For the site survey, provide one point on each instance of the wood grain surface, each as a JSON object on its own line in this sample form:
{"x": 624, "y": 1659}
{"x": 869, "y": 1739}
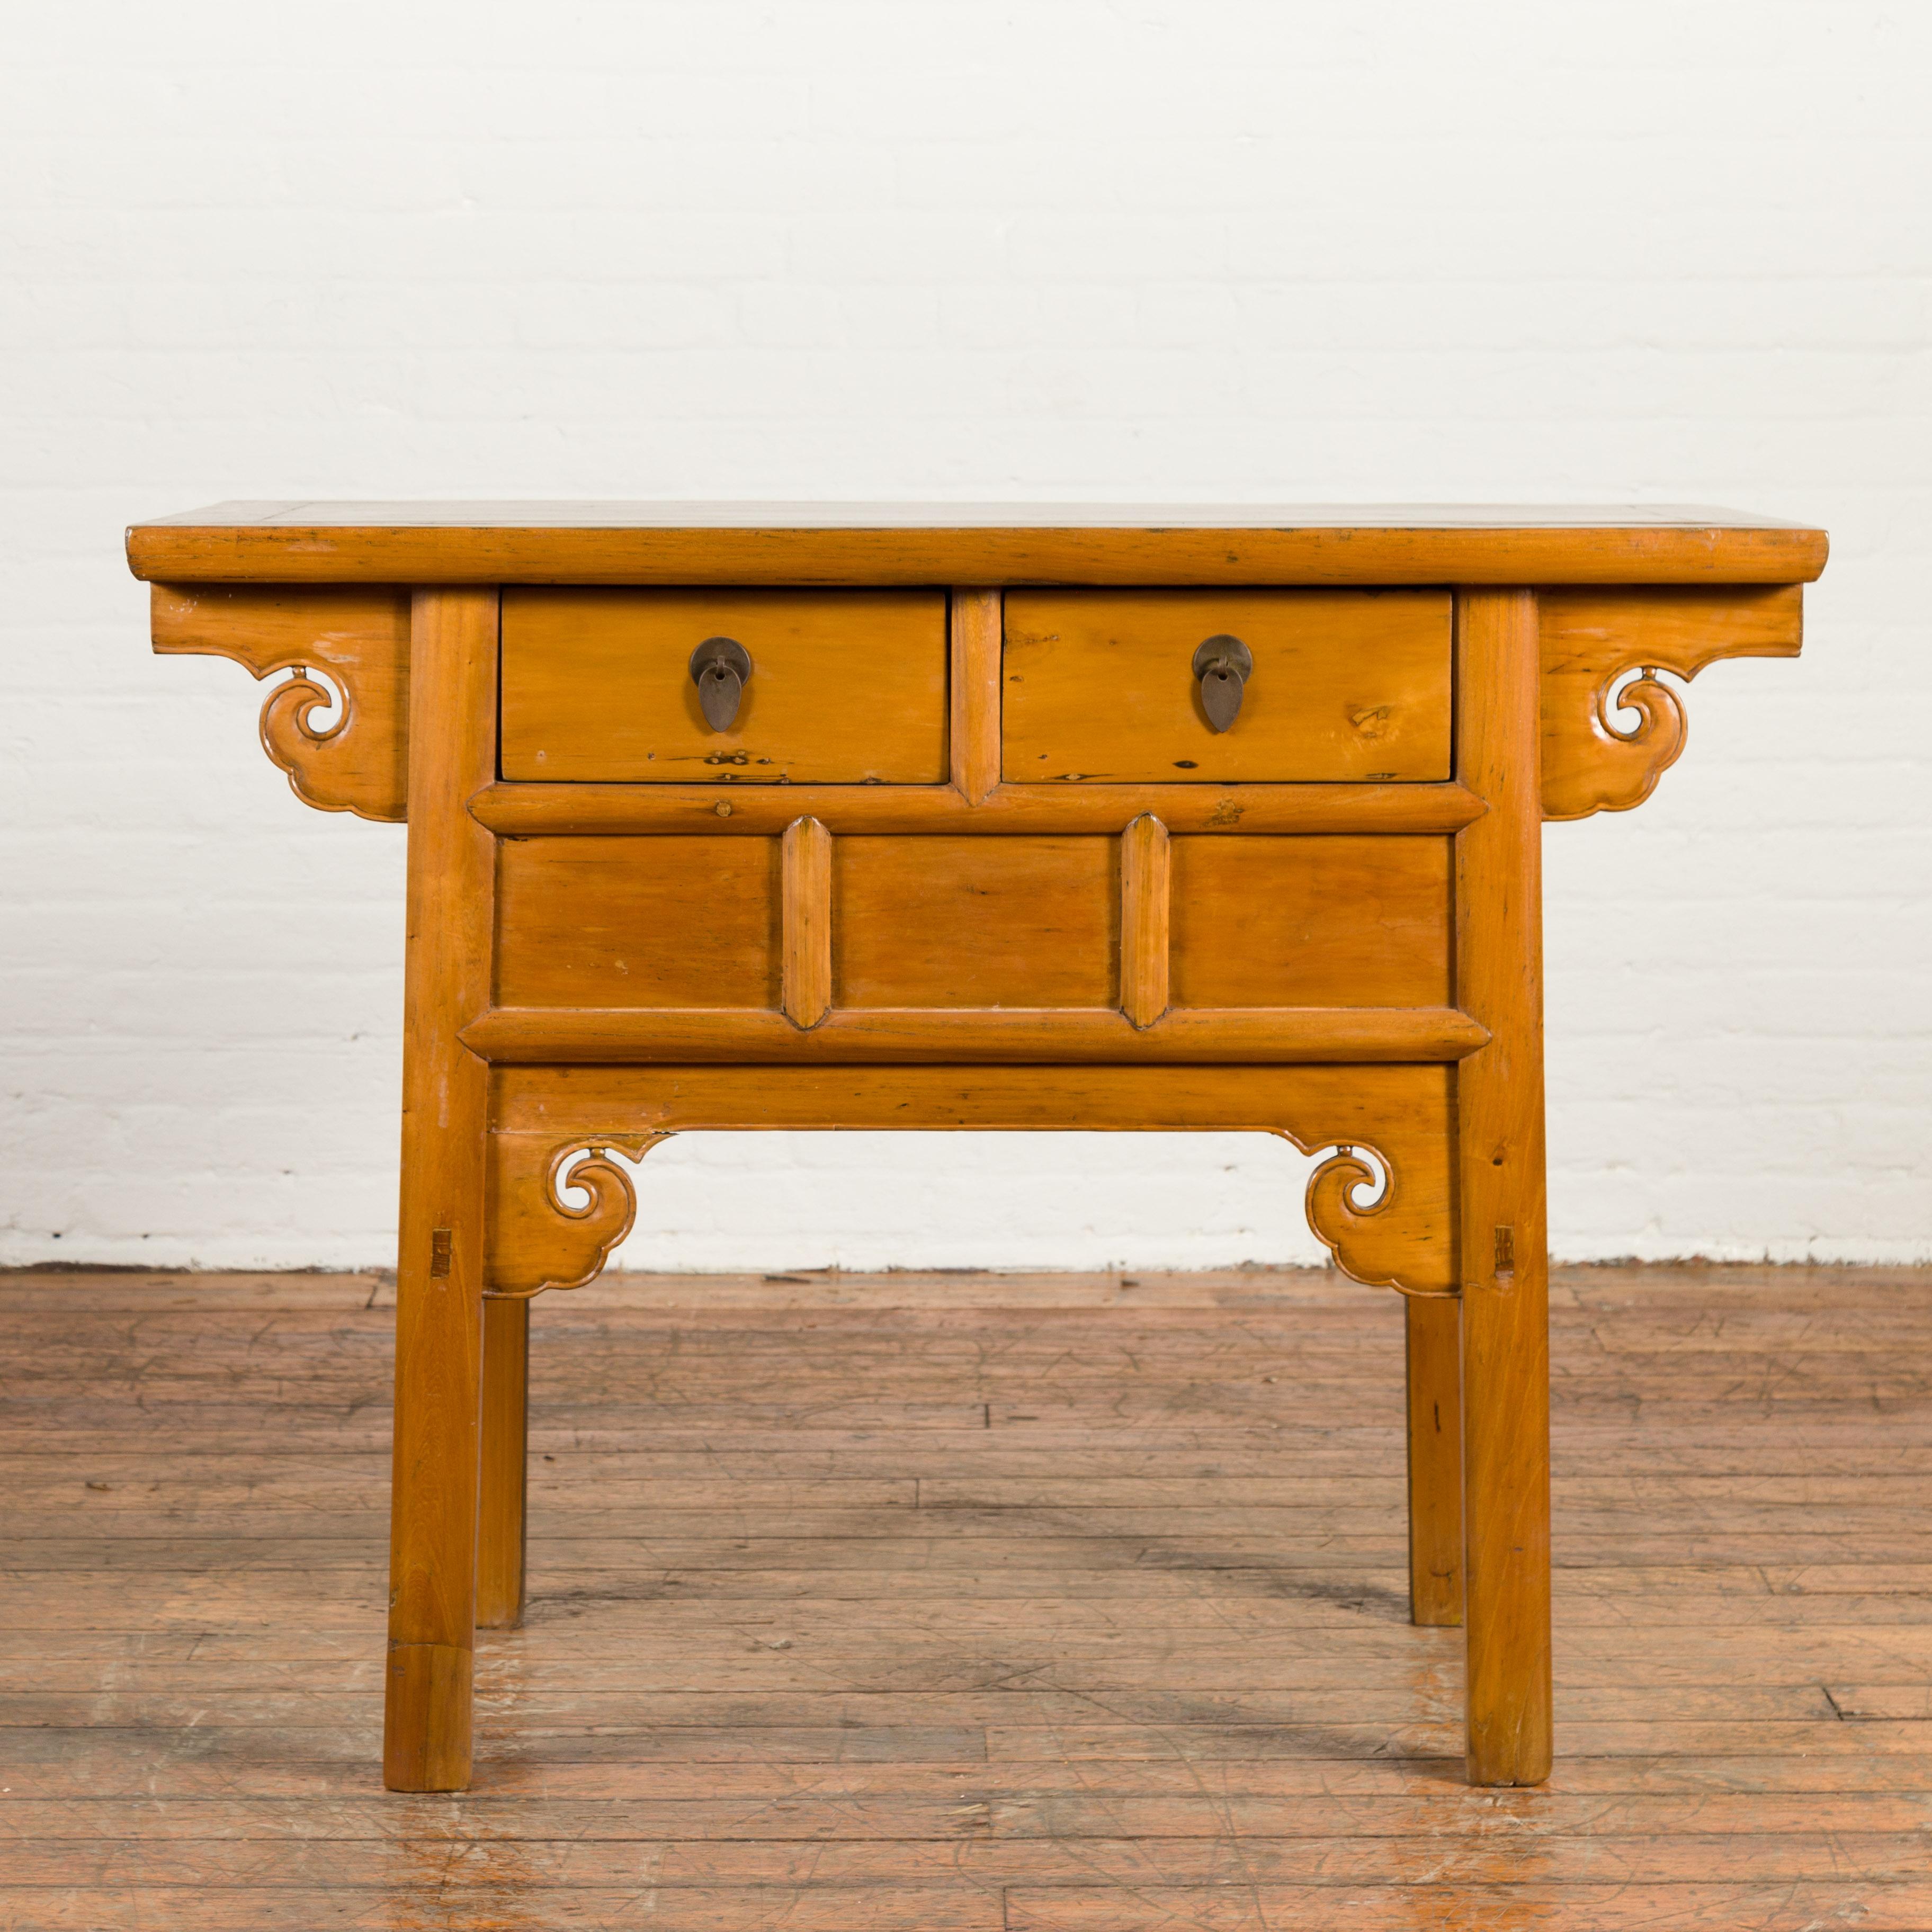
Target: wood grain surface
{"x": 344, "y": 749}
{"x": 972, "y": 730}
{"x": 806, "y": 975}
{"x": 503, "y": 1464}
{"x": 1605, "y": 744}
{"x": 879, "y": 1036}
{"x": 1146, "y": 922}
{"x": 1346, "y": 922}
{"x": 961, "y": 543}
{"x": 441, "y": 1243}
{"x": 846, "y": 687}
{"x": 639, "y": 922}
{"x": 951, "y": 921}
{"x": 525, "y": 811}
{"x": 1098, "y": 686}
{"x": 701, "y": 939}
{"x": 1398, "y": 1235}
{"x": 1433, "y": 1355}
{"x": 1500, "y": 1195}
{"x": 973, "y": 1601}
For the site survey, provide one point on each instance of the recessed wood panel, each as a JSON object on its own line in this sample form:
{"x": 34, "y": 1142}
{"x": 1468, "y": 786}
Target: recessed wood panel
{"x": 974, "y": 922}
{"x": 847, "y": 687}
{"x": 1098, "y": 686}
{"x": 637, "y": 922}
{"x": 1315, "y": 922}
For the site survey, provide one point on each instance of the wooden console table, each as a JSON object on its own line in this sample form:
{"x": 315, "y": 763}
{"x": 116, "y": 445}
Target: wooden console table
{"x": 946, "y": 818}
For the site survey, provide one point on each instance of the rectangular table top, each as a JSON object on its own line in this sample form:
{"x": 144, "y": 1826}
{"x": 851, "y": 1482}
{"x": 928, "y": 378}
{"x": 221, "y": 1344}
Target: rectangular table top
{"x": 643, "y": 542}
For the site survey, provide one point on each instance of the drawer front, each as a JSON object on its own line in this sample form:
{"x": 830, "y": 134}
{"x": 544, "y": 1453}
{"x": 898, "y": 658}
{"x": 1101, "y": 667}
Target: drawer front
{"x": 975, "y": 921}
{"x": 1098, "y": 686}
{"x": 637, "y": 922}
{"x": 846, "y": 687}
{"x": 932, "y": 923}
{"x": 1333, "y": 921}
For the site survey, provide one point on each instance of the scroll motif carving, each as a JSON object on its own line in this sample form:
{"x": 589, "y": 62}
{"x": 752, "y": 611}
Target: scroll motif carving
{"x": 1399, "y": 1238}
{"x": 1388, "y": 1126}
{"x": 357, "y": 638}
{"x": 1396, "y": 1237}
{"x": 1592, "y": 639}
{"x": 538, "y": 1239}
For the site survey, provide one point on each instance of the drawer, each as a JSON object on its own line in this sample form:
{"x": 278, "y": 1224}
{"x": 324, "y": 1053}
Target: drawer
{"x": 925, "y": 923}
{"x": 846, "y": 687}
{"x": 1331, "y": 920}
{"x": 1099, "y": 686}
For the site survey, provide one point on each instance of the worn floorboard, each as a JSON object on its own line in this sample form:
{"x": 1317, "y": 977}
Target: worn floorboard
{"x": 1004, "y": 1604}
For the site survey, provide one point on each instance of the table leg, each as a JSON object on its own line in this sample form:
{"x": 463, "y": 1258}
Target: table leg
{"x": 426, "y": 1716}
{"x": 439, "y": 1264}
{"x": 505, "y": 1463}
{"x": 1500, "y": 1196}
{"x": 1506, "y": 1450}
{"x": 1435, "y": 1460}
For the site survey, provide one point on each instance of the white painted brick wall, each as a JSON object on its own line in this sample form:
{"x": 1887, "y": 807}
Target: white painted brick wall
{"x": 1671, "y": 250}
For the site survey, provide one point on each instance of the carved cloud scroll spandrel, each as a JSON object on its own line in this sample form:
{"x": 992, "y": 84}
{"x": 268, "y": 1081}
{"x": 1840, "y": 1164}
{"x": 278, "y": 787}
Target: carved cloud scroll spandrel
{"x": 1399, "y": 1239}
{"x": 537, "y": 1239}
{"x": 1593, "y": 637}
{"x": 1387, "y": 1126}
{"x": 357, "y": 636}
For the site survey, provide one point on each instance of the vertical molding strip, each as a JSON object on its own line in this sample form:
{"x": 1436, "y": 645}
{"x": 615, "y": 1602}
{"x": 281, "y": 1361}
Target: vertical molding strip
{"x": 977, "y": 616}
{"x": 1144, "y": 920}
{"x": 806, "y": 969}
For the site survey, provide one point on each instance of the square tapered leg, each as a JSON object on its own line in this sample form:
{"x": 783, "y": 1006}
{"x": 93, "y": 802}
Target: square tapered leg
{"x": 505, "y": 1464}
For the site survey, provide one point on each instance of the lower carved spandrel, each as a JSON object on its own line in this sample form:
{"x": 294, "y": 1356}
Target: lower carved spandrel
{"x": 539, "y": 1239}
{"x": 1382, "y": 1203}
{"x": 1356, "y": 1186}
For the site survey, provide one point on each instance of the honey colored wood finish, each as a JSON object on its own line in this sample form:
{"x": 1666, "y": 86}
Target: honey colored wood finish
{"x": 807, "y": 921}
{"x": 503, "y": 1474}
{"x": 1433, "y": 1390}
{"x": 994, "y": 545}
{"x": 1591, "y": 640}
{"x": 1380, "y": 1201}
{"x": 356, "y": 760}
{"x": 1099, "y": 686}
{"x": 646, "y": 922}
{"x": 909, "y": 1601}
{"x": 1146, "y": 920}
{"x": 1315, "y": 922}
{"x": 846, "y": 687}
{"x": 968, "y": 855}
{"x": 974, "y": 719}
{"x": 557, "y": 1209}
{"x": 1032, "y": 936}
{"x": 945, "y": 921}
{"x": 882, "y": 1036}
{"x": 1500, "y": 1199}
{"x": 440, "y": 1258}
{"x": 527, "y": 811}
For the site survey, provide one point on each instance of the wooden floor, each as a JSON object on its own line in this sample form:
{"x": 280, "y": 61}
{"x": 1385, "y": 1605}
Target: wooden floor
{"x": 974, "y": 1601}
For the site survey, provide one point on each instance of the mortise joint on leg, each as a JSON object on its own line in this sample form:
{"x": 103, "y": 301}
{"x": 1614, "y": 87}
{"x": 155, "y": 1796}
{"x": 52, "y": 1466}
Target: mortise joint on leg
{"x": 1505, "y": 1258}
{"x": 441, "y": 1245}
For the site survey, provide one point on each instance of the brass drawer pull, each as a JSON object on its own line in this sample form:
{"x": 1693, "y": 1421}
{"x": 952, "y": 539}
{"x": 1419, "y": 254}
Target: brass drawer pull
{"x": 719, "y": 668}
{"x": 1223, "y": 664}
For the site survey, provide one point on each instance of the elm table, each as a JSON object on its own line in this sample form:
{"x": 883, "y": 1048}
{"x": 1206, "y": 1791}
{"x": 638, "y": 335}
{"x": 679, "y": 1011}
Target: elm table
{"x": 757, "y": 817}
